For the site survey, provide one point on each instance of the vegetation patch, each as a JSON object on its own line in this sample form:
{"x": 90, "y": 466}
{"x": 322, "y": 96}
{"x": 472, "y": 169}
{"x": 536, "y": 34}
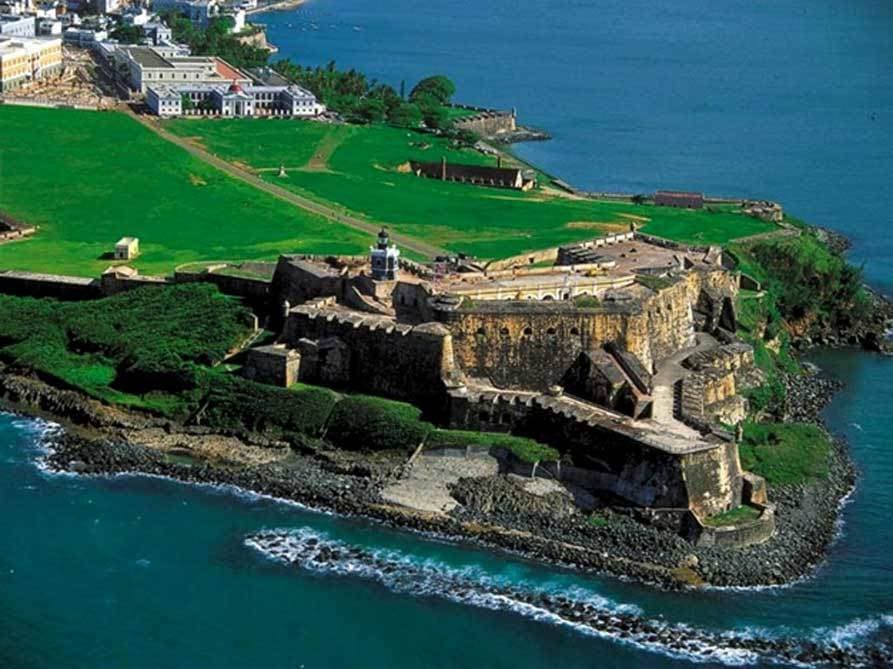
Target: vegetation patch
{"x": 366, "y": 423}
{"x": 655, "y": 283}
{"x": 737, "y": 516}
{"x": 238, "y": 404}
{"x": 526, "y": 450}
{"x": 805, "y": 287}
{"x": 140, "y": 348}
{"x": 587, "y": 301}
{"x": 596, "y": 520}
{"x": 785, "y": 453}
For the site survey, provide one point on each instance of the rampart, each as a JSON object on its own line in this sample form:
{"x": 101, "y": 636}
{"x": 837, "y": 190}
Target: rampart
{"x": 529, "y": 344}
{"x": 371, "y": 354}
{"x": 488, "y": 122}
{"x": 30, "y": 284}
{"x": 610, "y": 454}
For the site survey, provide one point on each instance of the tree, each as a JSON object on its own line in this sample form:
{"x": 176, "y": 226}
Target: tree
{"x": 407, "y": 115}
{"x": 434, "y": 114}
{"x": 370, "y": 110}
{"x": 127, "y": 34}
{"x": 186, "y": 102}
{"x": 438, "y": 87}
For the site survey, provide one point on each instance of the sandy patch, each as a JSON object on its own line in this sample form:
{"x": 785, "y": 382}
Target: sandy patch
{"x": 425, "y": 488}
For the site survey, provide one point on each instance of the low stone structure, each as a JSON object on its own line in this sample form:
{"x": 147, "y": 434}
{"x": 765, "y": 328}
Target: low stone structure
{"x": 683, "y": 199}
{"x": 764, "y": 210}
{"x": 488, "y": 122}
{"x": 275, "y": 365}
{"x": 11, "y": 229}
{"x": 127, "y": 248}
{"x": 478, "y": 175}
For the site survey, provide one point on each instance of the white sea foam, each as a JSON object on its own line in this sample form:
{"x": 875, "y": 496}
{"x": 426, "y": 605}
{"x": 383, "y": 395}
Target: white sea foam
{"x": 577, "y": 607}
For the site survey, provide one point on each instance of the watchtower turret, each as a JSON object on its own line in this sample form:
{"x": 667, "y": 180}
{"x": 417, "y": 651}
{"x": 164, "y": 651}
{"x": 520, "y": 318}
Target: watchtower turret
{"x": 384, "y": 258}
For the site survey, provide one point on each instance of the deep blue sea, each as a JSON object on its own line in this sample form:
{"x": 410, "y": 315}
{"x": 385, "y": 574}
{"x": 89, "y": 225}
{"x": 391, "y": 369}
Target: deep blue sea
{"x": 786, "y": 100}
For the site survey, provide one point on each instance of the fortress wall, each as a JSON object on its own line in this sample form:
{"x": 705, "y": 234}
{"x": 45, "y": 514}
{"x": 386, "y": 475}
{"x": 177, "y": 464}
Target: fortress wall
{"x": 377, "y": 357}
{"x": 257, "y": 290}
{"x": 719, "y": 281}
{"x": 533, "y": 345}
{"x": 669, "y": 323}
{"x": 528, "y": 350}
{"x": 411, "y": 301}
{"x": 713, "y": 479}
{"x": 297, "y": 282}
{"x": 611, "y": 461}
{"x": 488, "y": 123}
{"x": 605, "y": 458}
{"x": 29, "y": 284}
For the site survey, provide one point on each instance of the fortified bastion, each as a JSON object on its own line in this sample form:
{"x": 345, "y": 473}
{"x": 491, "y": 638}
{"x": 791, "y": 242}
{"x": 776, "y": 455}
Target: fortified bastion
{"x": 623, "y": 356}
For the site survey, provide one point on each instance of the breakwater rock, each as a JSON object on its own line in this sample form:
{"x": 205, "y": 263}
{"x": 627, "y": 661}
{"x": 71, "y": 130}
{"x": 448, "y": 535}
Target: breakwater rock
{"x": 313, "y": 551}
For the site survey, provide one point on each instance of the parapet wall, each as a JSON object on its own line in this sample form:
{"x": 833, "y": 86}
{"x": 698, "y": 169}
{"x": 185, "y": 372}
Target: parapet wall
{"x": 611, "y": 456}
{"x": 375, "y": 355}
{"x": 488, "y": 123}
{"x": 30, "y": 284}
{"x": 532, "y": 344}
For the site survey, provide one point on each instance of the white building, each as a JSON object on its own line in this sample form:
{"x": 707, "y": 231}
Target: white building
{"x": 384, "y": 258}
{"x": 158, "y": 66}
{"x": 234, "y": 100}
{"x": 14, "y": 25}
{"x": 127, "y": 248}
{"x": 49, "y": 27}
{"x": 84, "y": 36}
{"x": 135, "y": 16}
{"x": 200, "y": 12}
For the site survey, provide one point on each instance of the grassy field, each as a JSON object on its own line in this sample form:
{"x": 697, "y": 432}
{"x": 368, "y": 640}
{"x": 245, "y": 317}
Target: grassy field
{"x": 89, "y": 178}
{"x": 360, "y": 168}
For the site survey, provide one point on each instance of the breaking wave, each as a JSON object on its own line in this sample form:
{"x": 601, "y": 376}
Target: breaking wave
{"x": 577, "y": 608}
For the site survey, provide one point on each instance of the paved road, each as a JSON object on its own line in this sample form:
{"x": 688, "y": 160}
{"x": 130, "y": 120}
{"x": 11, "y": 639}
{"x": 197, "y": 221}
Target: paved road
{"x": 427, "y": 250}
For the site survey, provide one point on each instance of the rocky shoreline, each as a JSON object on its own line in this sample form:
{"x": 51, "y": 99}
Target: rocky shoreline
{"x": 495, "y": 513}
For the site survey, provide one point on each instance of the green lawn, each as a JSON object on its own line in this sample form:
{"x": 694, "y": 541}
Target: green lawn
{"x": 359, "y": 169}
{"x": 89, "y": 178}
{"x": 785, "y": 453}
{"x": 736, "y": 516}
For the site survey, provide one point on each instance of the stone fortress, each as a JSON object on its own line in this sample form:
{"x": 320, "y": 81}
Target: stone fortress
{"x": 622, "y": 354}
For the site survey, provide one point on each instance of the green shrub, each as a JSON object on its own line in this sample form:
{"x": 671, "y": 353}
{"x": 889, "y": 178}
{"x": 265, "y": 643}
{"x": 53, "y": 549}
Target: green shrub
{"x": 238, "y": 404}
{"x": 785, "y": 453}
{"x": 524, "y": 449}
{"x": 586, "y": 301}
{"x": 124, "y": 347}
{"x": 655, "y": 283}
{"x": 736, "y": 516}
{"x": 367, "y": 423}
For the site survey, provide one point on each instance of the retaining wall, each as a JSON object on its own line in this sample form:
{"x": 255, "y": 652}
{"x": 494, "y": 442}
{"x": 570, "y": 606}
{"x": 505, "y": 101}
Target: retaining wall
{"x": 30, "y": 284}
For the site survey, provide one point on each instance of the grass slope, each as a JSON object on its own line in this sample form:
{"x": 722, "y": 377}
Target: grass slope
{"x": 357, "y": 168}
{"x": 89, "y": 178}
{"x": 785, "y": 453}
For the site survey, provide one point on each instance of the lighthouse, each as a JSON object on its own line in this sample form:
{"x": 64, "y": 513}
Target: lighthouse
{"x": 384, "y": 258}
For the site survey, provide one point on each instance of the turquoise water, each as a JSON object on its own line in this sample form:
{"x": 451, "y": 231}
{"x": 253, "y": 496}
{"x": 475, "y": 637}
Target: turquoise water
{"x": 790, "y": 100}
{"x": 144, "y": 572}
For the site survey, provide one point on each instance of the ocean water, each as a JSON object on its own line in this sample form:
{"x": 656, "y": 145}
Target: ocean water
{"x": 790, "y": 100}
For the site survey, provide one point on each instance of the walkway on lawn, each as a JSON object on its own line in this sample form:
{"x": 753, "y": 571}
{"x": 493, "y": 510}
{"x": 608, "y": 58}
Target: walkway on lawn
{"x": 409, "y": 243}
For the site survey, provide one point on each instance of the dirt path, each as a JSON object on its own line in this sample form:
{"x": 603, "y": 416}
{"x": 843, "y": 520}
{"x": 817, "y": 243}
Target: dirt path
{"x": 423, "y": 248}
{"x": 319, "y": 161}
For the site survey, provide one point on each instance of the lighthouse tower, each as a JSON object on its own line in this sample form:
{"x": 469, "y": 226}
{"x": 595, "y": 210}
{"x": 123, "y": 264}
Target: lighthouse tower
{"x": 384, "y": 258}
